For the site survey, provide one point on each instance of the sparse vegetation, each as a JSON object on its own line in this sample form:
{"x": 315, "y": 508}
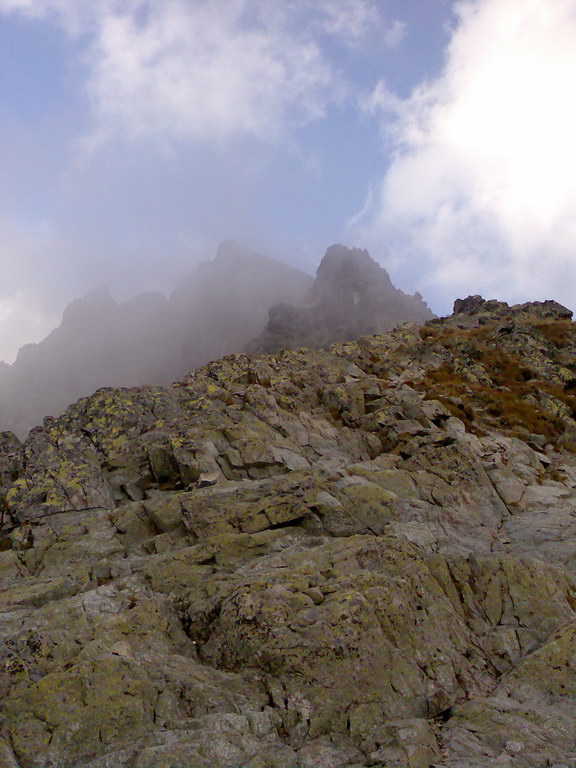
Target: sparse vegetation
{"x": 512, "y": 402}
{"x": 560, "y": 333}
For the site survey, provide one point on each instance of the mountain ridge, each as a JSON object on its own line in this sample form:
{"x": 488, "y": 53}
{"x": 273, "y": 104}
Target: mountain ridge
{"x": 152, "y": 339}
{"x": 360, "y": 556}
{"x": 147, "y": 339}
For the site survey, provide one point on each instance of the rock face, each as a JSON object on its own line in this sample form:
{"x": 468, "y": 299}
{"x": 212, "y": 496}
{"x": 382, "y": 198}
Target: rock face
{"x": 319, "y": 559}
{"x": 149, "y": 339}
{"x": 352, "y": 296}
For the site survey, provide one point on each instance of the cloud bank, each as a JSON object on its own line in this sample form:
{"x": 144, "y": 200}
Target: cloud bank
{"x": 207, "y": 70}
{"x": 480, "y": 194}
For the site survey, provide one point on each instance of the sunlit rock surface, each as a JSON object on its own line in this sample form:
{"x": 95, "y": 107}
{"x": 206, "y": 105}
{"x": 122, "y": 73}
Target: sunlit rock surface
{"x": 319, "y": 559}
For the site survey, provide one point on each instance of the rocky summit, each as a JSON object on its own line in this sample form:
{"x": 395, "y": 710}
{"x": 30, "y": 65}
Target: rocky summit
{"x": 362, "y": 556}
{"x": 351, "y": 296}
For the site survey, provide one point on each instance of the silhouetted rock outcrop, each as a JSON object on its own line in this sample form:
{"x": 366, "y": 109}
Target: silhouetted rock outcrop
{"x": 351, "y": 296}
{"x": 476, "y": 305}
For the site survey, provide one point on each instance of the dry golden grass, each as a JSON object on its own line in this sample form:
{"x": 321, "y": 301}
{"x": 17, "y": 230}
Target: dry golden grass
{"x": 560, "y": 333}
{"x": 511, "y": 403}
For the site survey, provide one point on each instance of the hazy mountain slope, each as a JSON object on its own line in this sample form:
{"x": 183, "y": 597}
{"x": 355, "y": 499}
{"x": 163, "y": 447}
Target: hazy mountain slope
{"x": 222, "y": 305}
{"x": 149, "y": 339}
{"x": 225, "y": 302}
{"x": 361, "y": 557}
{"x": 351, "y": 296}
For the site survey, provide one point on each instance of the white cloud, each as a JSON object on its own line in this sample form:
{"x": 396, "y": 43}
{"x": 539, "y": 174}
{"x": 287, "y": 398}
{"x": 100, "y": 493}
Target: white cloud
{"x": 482, "y": 185}
{"x": 199, "y": 71}
{"x": 204, "y": 69}
{"x": 348, "y": 20}
{"x": 395, "y": 33}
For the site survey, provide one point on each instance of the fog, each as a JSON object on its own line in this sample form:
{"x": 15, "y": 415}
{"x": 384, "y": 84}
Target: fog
{"x": 149, "y": 339}
{"x": 239, "y": 302}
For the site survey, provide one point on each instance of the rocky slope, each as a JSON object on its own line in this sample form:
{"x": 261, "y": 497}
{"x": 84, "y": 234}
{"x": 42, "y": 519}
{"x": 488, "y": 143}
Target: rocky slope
{"x": 148, "y": 340}
{"x": 356, "y": 557}
{"x": 351, "y": 296}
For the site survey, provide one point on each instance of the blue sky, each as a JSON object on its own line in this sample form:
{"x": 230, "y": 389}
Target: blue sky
{"x": 136, "y": 134}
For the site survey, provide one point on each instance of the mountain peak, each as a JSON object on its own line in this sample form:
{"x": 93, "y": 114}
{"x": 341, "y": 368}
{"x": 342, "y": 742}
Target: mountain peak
{"x": 347, "y": 274}
{"x": 97, "y": 300}
{"x": 231, "y": 249}
{"x": 231, "y": 252}
{"x": 351, "y": 296}
{"x": 339, "y": 256}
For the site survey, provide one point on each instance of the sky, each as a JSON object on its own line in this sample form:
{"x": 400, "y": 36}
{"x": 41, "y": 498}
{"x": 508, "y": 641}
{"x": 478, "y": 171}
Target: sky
{"x": 137, "y": 134}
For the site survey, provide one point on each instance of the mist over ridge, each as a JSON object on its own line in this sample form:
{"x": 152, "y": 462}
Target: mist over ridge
{"x": 224, "y": 306}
